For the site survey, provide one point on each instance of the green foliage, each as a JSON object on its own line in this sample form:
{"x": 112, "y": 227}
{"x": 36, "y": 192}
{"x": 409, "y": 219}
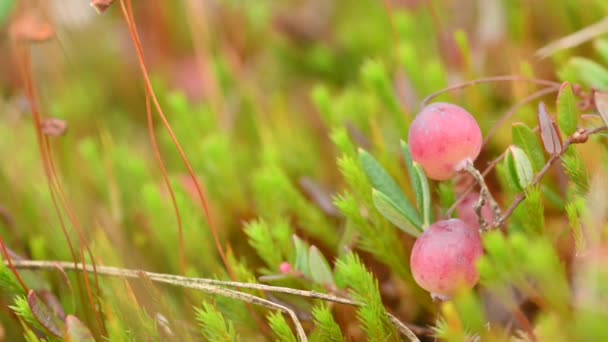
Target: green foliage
{"x": 214, "y": 326}
{"x": 384, "y": 183}
{"x": 520, "y": 167}
{"x": 320, "y": 271}
{"x": 377, "y": 237}
{"x": 446, "y": 194}
{"x": 528, "y": 263}
{"x": 391, "y": 212}
{"x": 363, "y": 287}
{"x": 574, "y": 211}
{"x": 267, "y": 98}
{"x": 22, "y": 308}
{"x": 273, "y": 245}
{"x": 375, "y": 76}
{"x": 526, "y": 139}
{"x": 8, "y": 281}
{"x": 326, "y": 327}
{"x": 567, "y": 114}
{"x": 534, "y": 210}
{"x": 420, "y": 184}
{"x": 276, "y": 197}
{"x": 589, "y": 72}
{"x": 577, "y": 172}
{"x": 280, "y": 328}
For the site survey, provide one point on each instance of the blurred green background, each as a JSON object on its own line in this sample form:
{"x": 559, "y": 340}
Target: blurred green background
{"x": 263, "y": 96}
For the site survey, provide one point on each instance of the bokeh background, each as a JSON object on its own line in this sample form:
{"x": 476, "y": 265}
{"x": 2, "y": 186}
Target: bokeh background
{"x": 261, "y": 95}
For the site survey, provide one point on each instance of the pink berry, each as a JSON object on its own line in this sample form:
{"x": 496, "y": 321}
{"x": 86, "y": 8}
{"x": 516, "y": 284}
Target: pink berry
{"x": 443, "y": 258}
{"x": 442, "y": 137}
{"x": 285, "y": 268}
{"x": 466, "y": 210}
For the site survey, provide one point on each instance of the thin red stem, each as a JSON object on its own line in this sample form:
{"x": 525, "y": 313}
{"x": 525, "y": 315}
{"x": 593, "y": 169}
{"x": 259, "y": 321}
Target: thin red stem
{"x": 129, "y": 19}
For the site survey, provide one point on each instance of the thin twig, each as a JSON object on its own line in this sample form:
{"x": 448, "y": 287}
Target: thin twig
{"x": 484, "y": 195}
{"x": 192, "y": 283}
{"x": 464, "y": 194}
{"x": 520, "y": 198}
{"x": 504, "y": 78}
{"x": 213, "y": 286}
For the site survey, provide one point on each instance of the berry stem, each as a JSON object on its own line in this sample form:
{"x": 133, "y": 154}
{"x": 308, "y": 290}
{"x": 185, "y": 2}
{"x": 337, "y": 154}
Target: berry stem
{"x": 504, "y": 78}
{"x": 484, "y": 196}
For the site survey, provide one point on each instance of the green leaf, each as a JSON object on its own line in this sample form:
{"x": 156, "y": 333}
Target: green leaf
{"x": 320, "y": 271}
{"x": 511, "y": 175}
{"x": 391, "y": 212}
{"x": 302, "y": 263}
{"x": 601, "y": 46}
{"x": 567, "y": 113}
{"x": 426, "y": 210}
{"x": 601, "y": 103}
{"x": 414, "y": 180}
{"x": 521, "y": 167}
{"x": 382, "y": 181}
{"x": 76, "y": 331}
{"x": 590, "y": 72}
{"x": 525, "y": 138}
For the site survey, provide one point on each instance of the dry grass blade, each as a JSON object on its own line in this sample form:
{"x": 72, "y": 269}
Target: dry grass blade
{"x": 217, "y": 287}
{"x": 574, "y": 39}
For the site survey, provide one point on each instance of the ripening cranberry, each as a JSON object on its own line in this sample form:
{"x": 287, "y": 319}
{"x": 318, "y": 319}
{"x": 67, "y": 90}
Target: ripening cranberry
{"x": 444, "y": 256}
{"x": 466, "y": 210}
{"x": 442, "y": 138}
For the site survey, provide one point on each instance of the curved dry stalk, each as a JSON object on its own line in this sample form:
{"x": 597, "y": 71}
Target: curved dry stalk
{"x": 214, "y": 287}
{"x": 515, "y": 108}
{"x": 504, "y": 78}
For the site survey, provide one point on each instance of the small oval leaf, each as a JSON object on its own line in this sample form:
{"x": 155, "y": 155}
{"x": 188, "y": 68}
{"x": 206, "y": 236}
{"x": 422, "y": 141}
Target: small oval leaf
{"x": 567, "y": 114}
{"x": 522, "y": 166}
{"x": 76, "y": 331}
{"x": 601, "y": 103}
{"x": 382, "y": 181}
{"x": 525, "y": 138}
{"x": 44, "y": 315}
{"x": 320, "y": 271}
{"x": 550, "y": 135}
{"x": 511, "y": 173}
{"x": 301, "y": 248}
{"x": 415, "y": 182}
{"x": 591, "y": 73}
{"x": 391, "y": 212}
